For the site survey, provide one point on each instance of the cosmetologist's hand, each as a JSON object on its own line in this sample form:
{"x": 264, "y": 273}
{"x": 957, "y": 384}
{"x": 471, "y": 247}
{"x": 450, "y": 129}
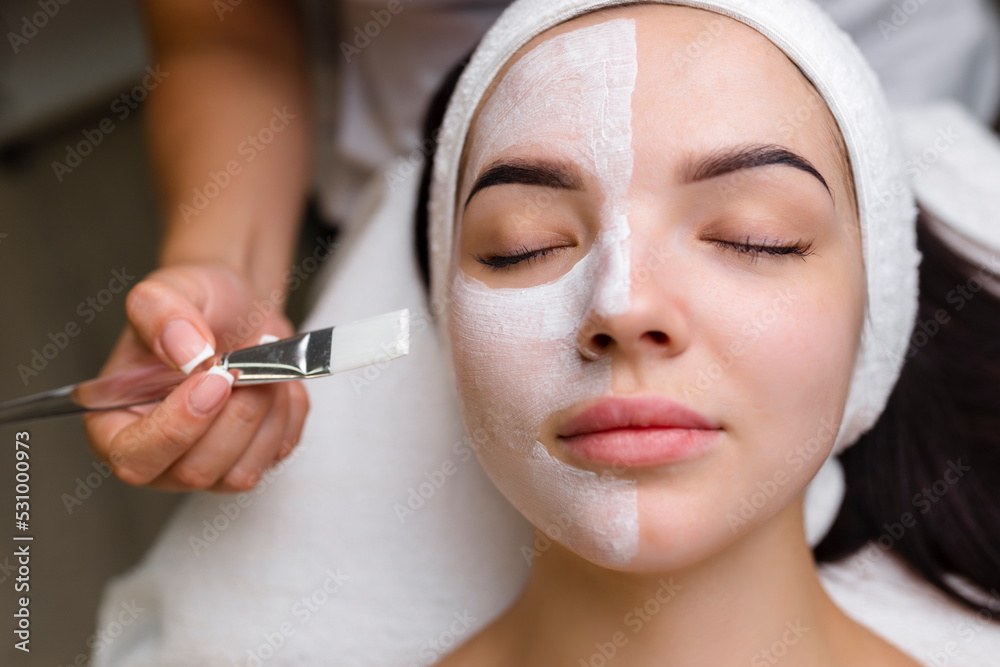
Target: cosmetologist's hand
{"x": 205, "y": 434}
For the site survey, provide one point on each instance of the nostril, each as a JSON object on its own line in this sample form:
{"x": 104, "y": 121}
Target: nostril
{"x": 602, "y": 341}
{"x": 658, "y": 337}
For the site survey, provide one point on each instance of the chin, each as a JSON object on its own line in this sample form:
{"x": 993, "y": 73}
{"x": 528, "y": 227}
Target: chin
{"x": 681, "y": 528}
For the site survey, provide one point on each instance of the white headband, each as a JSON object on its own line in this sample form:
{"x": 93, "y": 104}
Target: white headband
{"x": 850, "y": 88}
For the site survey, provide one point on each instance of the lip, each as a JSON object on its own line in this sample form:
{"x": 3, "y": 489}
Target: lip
{"x": 638, "y": 431}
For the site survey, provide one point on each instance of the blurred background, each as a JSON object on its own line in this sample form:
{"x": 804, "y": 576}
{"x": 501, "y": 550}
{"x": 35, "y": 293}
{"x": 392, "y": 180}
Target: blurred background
{"x": 73, "y": 228}
{"x": 61, "y": 237}
{"x": 66, "y": 232}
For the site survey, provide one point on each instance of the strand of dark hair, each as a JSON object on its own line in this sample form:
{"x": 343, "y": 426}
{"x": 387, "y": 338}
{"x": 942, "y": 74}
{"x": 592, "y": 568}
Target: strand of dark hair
{"x": 943, "y": 414}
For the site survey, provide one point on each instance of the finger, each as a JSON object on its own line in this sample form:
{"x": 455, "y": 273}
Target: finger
{"x": 298, "y": 409}
{"x": 169, "y": 323}
{"x": 275, "y": 329}
{"x": 247, "y": 471}
{"x": 146, "y": 445}
{"x": 224, "y": 443}
{"x": 129, "y": 352}
{"x": 101, "y": 429}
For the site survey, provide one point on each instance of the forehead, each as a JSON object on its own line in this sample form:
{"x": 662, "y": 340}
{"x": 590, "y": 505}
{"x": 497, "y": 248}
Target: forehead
{"x": 670, "y": 27}
{"x": 703, "y": 79}
{"x": 675, "y": 37}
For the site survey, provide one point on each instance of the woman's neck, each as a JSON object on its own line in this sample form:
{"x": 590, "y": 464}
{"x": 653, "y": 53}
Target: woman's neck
{"x": 754, "y": 603}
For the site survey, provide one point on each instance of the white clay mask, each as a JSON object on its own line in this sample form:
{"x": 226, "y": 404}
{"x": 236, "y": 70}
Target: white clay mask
{"x": 515, "y": 350}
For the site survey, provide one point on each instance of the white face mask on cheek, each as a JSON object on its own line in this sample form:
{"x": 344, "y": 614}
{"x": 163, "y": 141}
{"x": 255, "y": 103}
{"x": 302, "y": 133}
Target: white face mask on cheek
{"x": 515, "y": 350}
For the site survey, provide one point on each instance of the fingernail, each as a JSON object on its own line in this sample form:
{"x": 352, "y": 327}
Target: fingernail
{"x": 286, "y": 449}
{"x": 268, "y": 338}
{"x": 241, "y": 479}
{"x": 184, "y": 345}
{"x": 211, "y": 390}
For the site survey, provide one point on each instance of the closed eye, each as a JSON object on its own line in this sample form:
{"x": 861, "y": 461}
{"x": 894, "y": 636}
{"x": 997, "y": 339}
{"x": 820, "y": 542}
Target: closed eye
{"x": 755, "y": 251}
{"x": 505, "y": 262}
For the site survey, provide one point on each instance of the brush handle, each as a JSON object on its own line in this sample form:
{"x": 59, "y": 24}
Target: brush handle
{"x": 125, "y": 389}
{"x": 299, "y": 357}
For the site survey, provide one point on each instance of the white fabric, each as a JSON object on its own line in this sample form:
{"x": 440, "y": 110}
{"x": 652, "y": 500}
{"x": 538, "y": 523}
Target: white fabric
{"x": 372, "y": 437}
{"x": 955, "y": 162}
{"x": 928, "y": 50}
{"x": 372, "y": 106}
{"x": 879, "y": 591}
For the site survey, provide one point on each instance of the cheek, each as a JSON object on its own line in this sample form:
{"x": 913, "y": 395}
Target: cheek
{"x": 776, "y": 364}
{"x": 788, "y": 388}
{"x": 516, "y": 362}
{"x": 800, "y": 351}
{"x": 515, "y": 354}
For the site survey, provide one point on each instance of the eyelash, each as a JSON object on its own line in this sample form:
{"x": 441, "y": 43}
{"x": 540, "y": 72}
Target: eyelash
{"x": 505, "y": 262}
{"x": 752, "y": 250}
{"x": 755, "y": 250}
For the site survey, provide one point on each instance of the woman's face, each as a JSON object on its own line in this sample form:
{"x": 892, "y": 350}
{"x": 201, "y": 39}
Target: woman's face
{"x": 642, "y": 382}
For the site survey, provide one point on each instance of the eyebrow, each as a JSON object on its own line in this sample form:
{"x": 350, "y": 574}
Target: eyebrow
{"x": 564, "y": 176}
{"x": 751, "y": 156}
{"x": 546, "y": 173}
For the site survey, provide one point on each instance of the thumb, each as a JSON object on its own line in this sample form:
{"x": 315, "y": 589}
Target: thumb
{"x": 170, "y": 324}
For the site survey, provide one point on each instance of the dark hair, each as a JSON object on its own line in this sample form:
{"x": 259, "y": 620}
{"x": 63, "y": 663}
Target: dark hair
{"x": 925, "y": 480}
{"x": 926, "y": 477}
{"x": 433, "y": 121}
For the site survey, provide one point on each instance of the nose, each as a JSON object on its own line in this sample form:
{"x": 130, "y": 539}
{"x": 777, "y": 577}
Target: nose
{"x": 655, "y": 323}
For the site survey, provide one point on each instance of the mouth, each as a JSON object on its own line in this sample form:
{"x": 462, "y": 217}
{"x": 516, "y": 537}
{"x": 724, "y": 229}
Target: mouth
{"x": 638, "y": 431}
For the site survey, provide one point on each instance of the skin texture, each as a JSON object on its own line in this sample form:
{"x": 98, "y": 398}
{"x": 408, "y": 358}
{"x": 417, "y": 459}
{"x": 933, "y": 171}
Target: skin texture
{"x": 739, "y": 577}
